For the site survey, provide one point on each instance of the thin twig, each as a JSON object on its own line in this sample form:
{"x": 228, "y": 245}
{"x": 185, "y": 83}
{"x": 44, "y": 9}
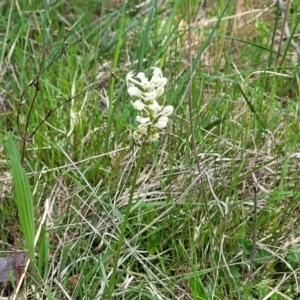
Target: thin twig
{"x": 36, "y": 84}
{"x": 254, "y": 233}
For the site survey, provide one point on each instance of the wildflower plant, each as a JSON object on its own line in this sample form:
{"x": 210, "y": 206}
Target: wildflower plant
{"x": 153, "y": 117}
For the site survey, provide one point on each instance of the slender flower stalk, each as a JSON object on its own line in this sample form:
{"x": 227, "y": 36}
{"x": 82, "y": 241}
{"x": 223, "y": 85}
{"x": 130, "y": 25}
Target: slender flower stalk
{"x": 153, "y": 117}
{"x": 124, "y": 226}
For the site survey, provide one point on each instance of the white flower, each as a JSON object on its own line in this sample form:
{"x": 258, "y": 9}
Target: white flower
{"x": 130, "y": 81}
{"x": 143, "y": 121}
{"x": 162, "y": 122}
{"x": 159, "y": 91}
{"x": 133, "y": 91}
{"x": 146, "y": 96}
{"x": 142, "y": 128}
{"x": 154, "y": 137}
{"x": 143, "y": 82}
{"x": 157, "y": 79}
{"x": 168, "y": 110}
{"x": 138, "y": 105}
{"x": 157, "y": 72}
{"x": 154, "y": 107}
{"x": 156, "y": 83}
{"x": 141, "y": 134}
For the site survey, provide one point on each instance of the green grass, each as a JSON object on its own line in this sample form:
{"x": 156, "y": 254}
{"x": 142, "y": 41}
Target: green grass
{"x": 191, "y": 222}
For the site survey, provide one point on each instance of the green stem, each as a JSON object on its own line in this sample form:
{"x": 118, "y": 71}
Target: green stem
{"x": 124, "y": 225}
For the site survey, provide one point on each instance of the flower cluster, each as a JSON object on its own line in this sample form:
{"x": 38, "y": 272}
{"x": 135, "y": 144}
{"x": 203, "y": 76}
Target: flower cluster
{"x": 152, "y": 118}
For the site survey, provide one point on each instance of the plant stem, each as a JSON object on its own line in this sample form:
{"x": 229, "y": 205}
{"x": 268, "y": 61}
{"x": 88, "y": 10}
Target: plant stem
{"x": 124, "y": 225}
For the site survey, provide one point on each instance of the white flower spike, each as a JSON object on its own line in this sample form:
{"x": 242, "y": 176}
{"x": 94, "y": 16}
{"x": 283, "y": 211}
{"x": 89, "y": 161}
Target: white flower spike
{"x": 153, "y": 118}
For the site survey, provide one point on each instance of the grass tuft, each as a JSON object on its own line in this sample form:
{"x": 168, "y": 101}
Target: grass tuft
{"x": 211, "y": 211}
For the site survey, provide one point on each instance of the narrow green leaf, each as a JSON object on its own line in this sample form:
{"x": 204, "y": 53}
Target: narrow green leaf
{"x": 145, "y": 35}
{"x": 43, "y": 258}
{"x": 22, "y": 193}
{"x": 197, "y": 289}
{"x": 252, "y": 108}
